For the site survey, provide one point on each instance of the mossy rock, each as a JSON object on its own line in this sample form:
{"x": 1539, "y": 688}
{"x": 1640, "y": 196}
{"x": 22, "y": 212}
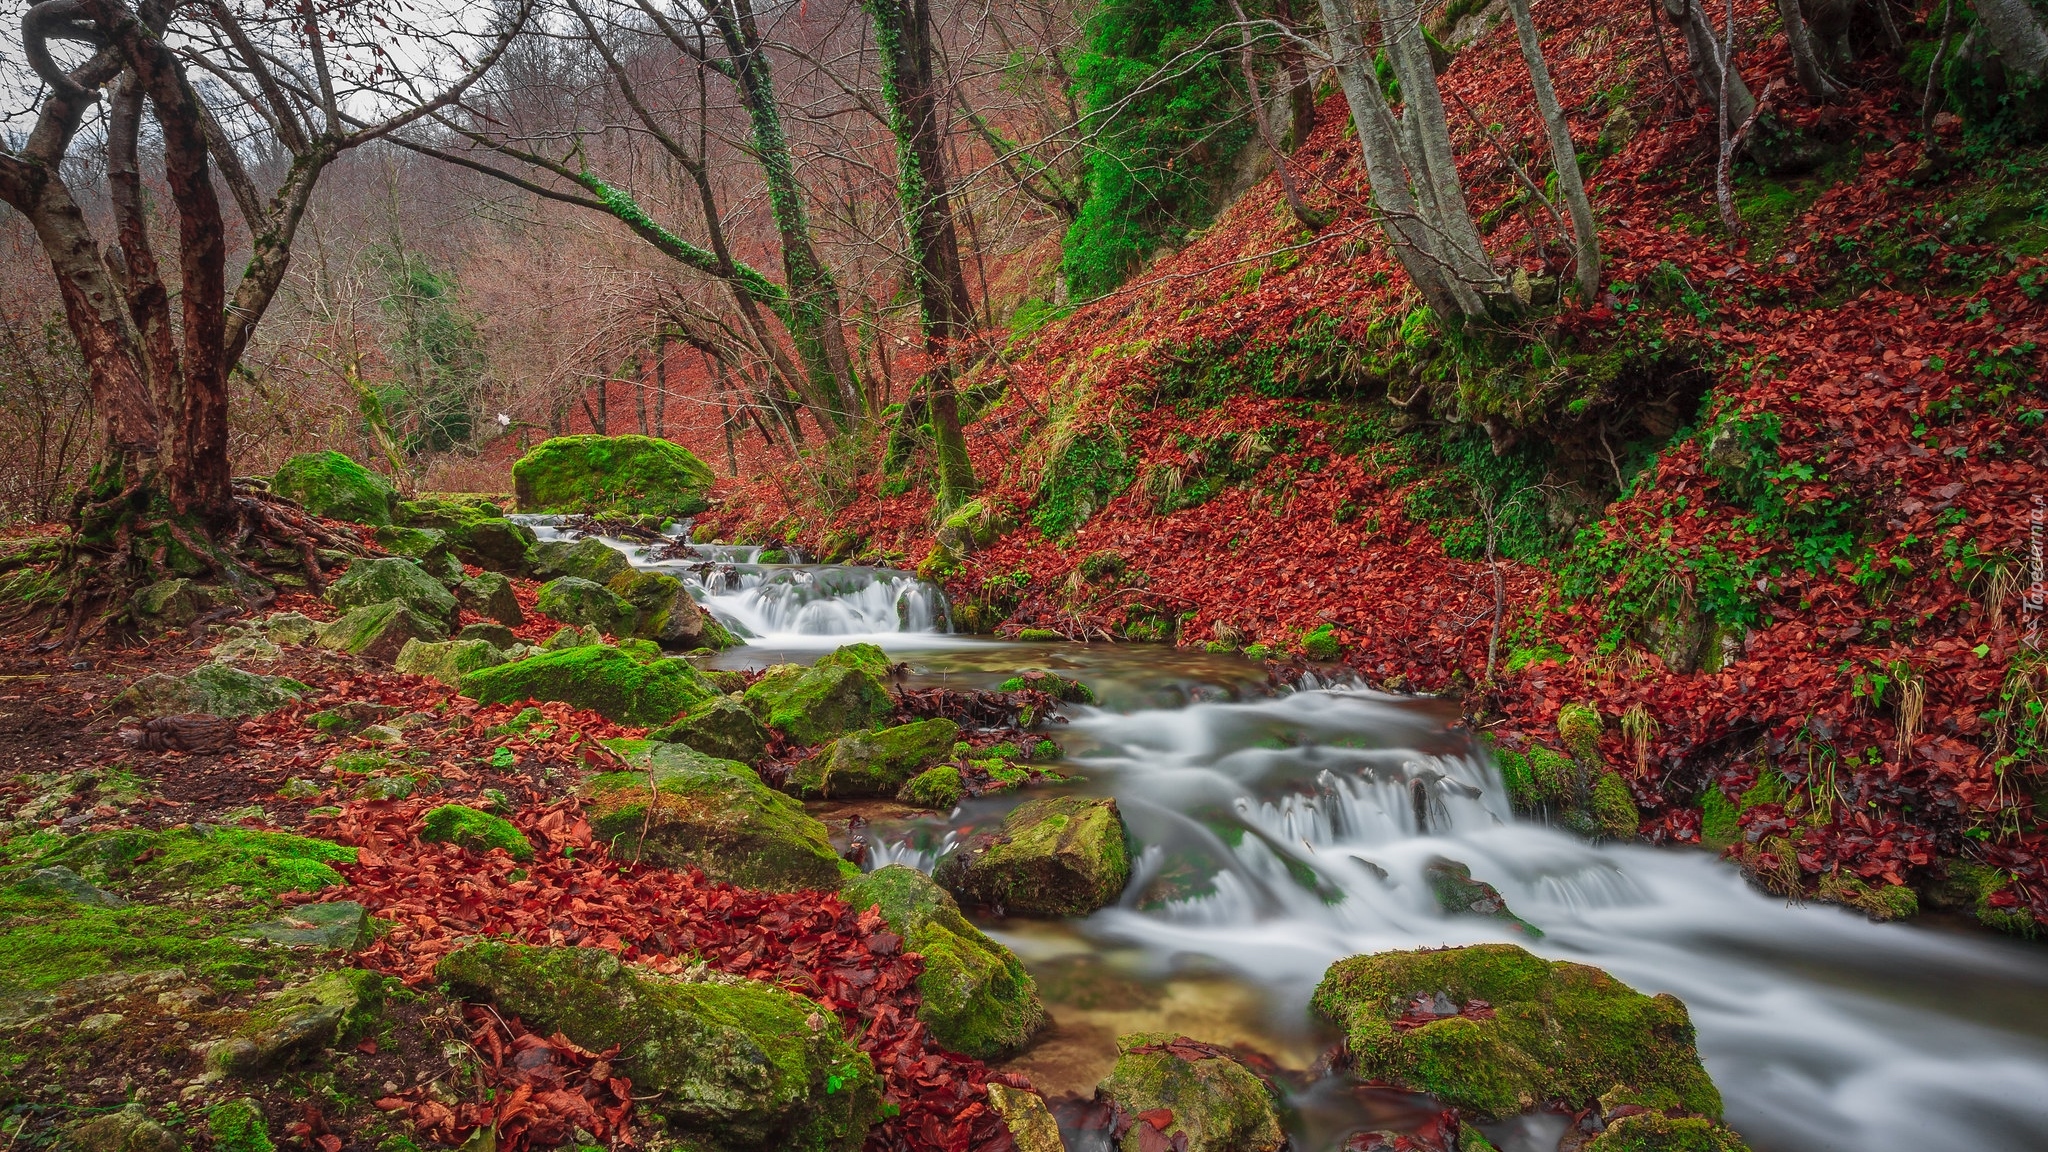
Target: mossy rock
{"x": 447, "y": 660}
{"x": 383, "y": 579}
{"x": 1208, "y": 1102}
{"x": 877, "y": 763}
{"x": 1614, "y": 807}
{"x": 256, "y": 863}
{"x": 976, "y": 997}
{"x": 572, "y": 637}
{"x": 587, "y": 559}
{"x": 494, "y": 544}
{"x": 1578, "y": 725}
{"x": 621, "y": 686}
{"x": 490, "y": 595}
{"x": 937, "y": 787}
{"x": 611, "y": 476}
{"x": 843, "y": 692}
{"x": 723, "y": 727}
{"x": 476, "y": 830}
{"x": 175, "y": 603}
{"x": 427, "y": 547}
{"x": 128, "y": 1130}
{"x": 972, "y": 526}
{"x": 730, "y": 1064}
{"x": 332, "y": 485}
{"x": 574, "y": 600}
{"x": 1654, "y": 1131}
{"x": 239, "y": 1126}
{"x": 1057, "y": 856}
{"x": 1322, "y": 643}
{"x": 1455, "y": 891}
{"x": 292, "y": 628}
{"x": 1555, "y": 1031}
{"x": 711, "y": 814}
{"x": 1059, "y": 687}
{"x": 443, "y": 511}
{"x": 213, "y": 689}
{"x": 327, "y": 1011}
{"x": 379, "y": 632}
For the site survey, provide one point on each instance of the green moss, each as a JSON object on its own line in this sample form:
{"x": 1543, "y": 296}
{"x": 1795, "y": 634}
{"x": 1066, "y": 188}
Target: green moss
{"x": 448, "y": 660}
{"x": 1516, "y": 777}
{"x": 601, "y": 678}
{"x": 651, "y": 597}
{"x": 1720, "y": 819}
{"x": 874, "y": 763}
{"x": 330, "y": 484}
{"x": 1558, "y": 1031}
{"x": 976, "y": 997}
{"x": 587, "y": 559}
{"x": 1979, "y": 884}
{"x": 731, "y": 1062}
{"x": 1057, "y": 856}
{"x": 937, "y": 787}
{"x": 1553, "y": 777}
{"x": 1060, "y": 687}
{"x": 611, "y": 476}
{"x": 1085, "y": 475}
{"x": 574, "y": 600}
{"x": 238, "y": 1126}
{"x": 257, "y": 863}
{"x": 475, "y": 830}
{"x": 1322, "y": 644}
{"x": 1657, "y": 1132}
{"x": 710, "y": 814}
{"x": 723, "y": 727}
{"x": 380, "y": 631}
{"x": 1578, "y": 725}
{"x": 47, "y": 940}
{"x": 845, "y": 691}
{"x": 1214, "y": 1103}
{"x": 1614, "y": 807}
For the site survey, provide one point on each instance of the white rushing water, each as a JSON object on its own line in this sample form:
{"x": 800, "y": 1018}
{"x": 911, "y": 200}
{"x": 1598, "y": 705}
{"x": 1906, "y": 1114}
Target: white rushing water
{"x": 1278, "y": 835}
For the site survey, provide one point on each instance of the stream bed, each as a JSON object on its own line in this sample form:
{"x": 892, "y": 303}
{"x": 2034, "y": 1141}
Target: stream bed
{"x": 1277, "y": 833}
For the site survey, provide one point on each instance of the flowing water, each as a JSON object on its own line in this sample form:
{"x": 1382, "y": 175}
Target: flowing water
{"x": 1279, "y": 833}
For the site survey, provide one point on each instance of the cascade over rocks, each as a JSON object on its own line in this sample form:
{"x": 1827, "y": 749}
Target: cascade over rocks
{"x": 977, "y": 998}
{"x": 679, "y": 808}
{"x": 611, "y": 476}
{"x": 735, "y": 1065}
{"x": 1056, "y": 856}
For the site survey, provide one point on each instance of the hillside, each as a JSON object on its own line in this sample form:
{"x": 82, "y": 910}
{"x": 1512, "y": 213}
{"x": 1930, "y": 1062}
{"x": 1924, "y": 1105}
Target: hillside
{"x": 1771, "y": 507}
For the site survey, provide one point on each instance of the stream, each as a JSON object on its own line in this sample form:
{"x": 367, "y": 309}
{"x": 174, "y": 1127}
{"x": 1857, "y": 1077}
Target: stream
{"x": 1279, "y": 833}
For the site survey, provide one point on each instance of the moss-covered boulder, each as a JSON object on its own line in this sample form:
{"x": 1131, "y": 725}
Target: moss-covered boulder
{"x": 939, "y": 786}
{"x": 174, "y": 603}
{"x": 239, "y": 1126}
{"x": 490, "y": 595}
{"x": 1032, "y": 1126}
{"x": 379, "y": 632}
{"x": 447, "y": 660}
{"x": 711, "y": 814}
{"x": 573, "y": 600}
{"x": 688, "y": 627}
{"x": 586, "y": 559}
{"x": 290, "y": 628}
{"x": 977, "y": 998}
{"x": 1057, "y": 856}
{"x": 1613, "y": 806}
{"x": 427, "y": 547}
{"x": 494, "y": 544}
{"x": 476, "y": 830}
{"x": 1496, "y": 1031}
{"x": 723, "y": 727}
{"x": 973, "y": 526}
{"x": 253, "y": 863}
{"x": 1458, "y": 894}
{"x": 326, "y": 1011}
{"x": 212, "y": 690}
{"x": 877, "y": 763}
{"x": 332, "y": 485}
{"x": 845, "y": 691}
{"x": 1192, "y": 1095}
{"x": 383, "y": 579}
{"x": 730, "y": 1064}
{"x": 128, "y": 1130}
{"x": 611, "y": 476}
{"x": 626, "y": 686}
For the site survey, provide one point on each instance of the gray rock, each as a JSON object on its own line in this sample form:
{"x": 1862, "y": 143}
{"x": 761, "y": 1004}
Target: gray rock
{"x": 129, "y": 1130}
{"x": 573, "y": 600}
{"x": 383, "y": 579}
{"x": 291, "y": 627}
{"x": 490, "y": 594}
{"x": 381, "y": 631}
{"x": 337, "y": 925}
{"x": 587, "y": 559}
{"x": 490, "y": 632}
{"x": 212, "y": 689}
{"x": 62, "y": 881}
{"x": 321, "y": 1013}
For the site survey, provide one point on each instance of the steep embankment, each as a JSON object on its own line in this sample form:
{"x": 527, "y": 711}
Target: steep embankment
{"x": 1771, "y": 507}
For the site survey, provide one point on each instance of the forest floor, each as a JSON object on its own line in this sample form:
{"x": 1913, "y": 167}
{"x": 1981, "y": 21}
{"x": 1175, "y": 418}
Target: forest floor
{"x": 1772, "y": 506}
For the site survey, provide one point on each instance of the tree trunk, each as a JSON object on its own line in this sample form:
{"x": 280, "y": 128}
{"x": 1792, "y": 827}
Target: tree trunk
{"x": 1435, "y": 166}
{"x": 903, "y": 34}
{"x": 1804, "y": 61}
{"x": 1409, "y": 234}
{"x": 1564, "y": 155}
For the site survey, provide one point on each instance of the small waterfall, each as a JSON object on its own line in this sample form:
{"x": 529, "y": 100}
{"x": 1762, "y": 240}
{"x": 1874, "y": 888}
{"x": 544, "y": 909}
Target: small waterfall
{"x": 789, "y": 604}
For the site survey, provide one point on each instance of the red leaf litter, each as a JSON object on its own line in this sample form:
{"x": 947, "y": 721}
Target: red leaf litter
{"x": 438, "y": 896}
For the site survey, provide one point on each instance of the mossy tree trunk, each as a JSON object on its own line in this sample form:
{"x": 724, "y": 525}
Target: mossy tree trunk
{"x": 1564, "y": 155}
{"x": 945, "y": 311}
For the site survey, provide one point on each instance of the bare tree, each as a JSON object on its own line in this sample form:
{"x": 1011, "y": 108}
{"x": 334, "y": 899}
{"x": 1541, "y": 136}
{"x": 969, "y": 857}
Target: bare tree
{"x": 306, "y": 82}
{"x": 1564, "y": 155}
